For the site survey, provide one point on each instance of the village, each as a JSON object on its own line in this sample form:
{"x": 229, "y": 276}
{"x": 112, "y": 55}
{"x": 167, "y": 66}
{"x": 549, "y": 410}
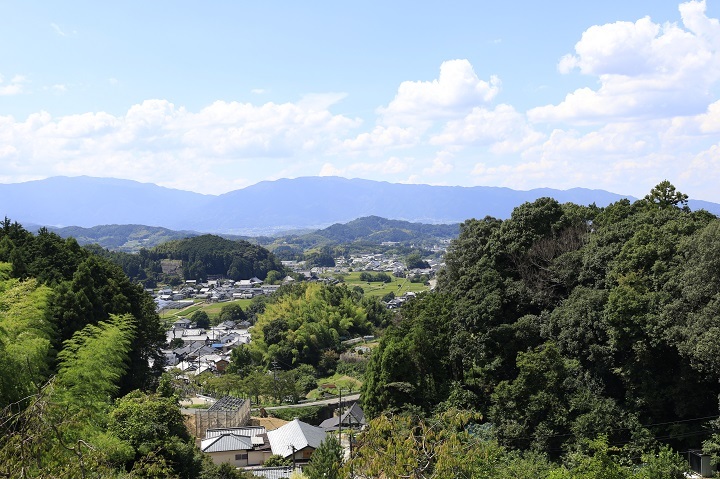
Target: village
{"x": 225, "y": 429}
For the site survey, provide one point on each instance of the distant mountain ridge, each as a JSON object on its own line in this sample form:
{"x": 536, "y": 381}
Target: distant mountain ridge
{"x": 308, "y": 202}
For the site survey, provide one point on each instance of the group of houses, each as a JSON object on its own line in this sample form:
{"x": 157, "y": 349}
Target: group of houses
{"x": 196, "y": 350}
{"x": 217, "y": 290}
{"x": 227, "y": 437}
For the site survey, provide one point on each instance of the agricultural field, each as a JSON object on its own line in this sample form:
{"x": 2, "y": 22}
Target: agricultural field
{"x": 212, "y": 309}
{"x": 399, "y": 286}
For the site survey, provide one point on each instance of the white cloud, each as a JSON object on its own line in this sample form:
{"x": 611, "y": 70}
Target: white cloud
{"x": 646, "y": 70}
{"x": 13, "y": 87}
{"x": 382, "y": 138}
{"x": 503, "y": 128}
{"x": 454, "y": 93}
{"x": 157, "y": 141}
{"x": 441, "y": 165}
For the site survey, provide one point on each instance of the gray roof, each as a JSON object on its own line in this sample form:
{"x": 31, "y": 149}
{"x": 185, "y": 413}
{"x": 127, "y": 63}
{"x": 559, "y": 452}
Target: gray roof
{"x": 226, "y": 442}
{"x": 354, "y": 416}
{"x": 227, "y": 403}
{"x": 295, "y": 434}
{"x": 253, "y": 432}
{"x": 272, "y": 472}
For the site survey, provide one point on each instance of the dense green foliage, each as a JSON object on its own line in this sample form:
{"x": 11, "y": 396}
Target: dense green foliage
{"x": 566, "y": 323}
{"x": 326, "y": 460}
{"x": 55, "y": 289}
{"x": 212, "y": 255}
{"x": 454, "y": 444}
{"x": 200, "y": 257}
{"x": 76, "y": 334}
{"x": 305, "y": 321}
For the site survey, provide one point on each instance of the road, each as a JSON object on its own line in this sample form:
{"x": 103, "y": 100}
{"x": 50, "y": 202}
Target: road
{"x": 321, "y": 402}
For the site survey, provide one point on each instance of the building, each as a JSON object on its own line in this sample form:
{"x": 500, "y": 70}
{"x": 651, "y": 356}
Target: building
{"x": 296, "y": 440}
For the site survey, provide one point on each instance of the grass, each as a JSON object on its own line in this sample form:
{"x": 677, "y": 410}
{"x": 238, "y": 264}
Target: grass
{"x": 309, "y": 414}
{"x": 399, "y": 286}
{"x": 348, "y": 384}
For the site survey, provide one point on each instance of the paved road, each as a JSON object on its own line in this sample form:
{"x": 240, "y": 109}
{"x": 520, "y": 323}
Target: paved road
{"x": 321, "y": 402}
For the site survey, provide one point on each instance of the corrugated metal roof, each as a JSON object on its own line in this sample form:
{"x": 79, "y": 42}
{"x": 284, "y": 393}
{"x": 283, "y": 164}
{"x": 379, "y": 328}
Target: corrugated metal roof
{"x": 272, "y": 472}
{"x": 249, "y": 431}
{"x": 295, "y": 434}
{"x": 226, "y": 442}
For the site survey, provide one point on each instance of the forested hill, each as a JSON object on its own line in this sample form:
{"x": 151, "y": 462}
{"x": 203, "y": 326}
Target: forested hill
{"x": 371, "y": 229}
{"x": 212, "y": 255}
{"x": 374, "y": 229}
{"x": 566, "y": 323}
{"x": 126, "y": 238}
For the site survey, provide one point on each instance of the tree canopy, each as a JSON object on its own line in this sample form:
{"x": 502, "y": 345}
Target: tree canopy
{"x": 564, "y": 323}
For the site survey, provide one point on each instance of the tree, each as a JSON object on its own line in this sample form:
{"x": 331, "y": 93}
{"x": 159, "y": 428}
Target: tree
{"x": 276, "y": 460}
{"x": 273, "y": 277}
{"x": 153, "y": 427}
{"x": 240, "y": 361}
{"x": 201, "y": 319}
{"x": 415, "y": 261}
{"x": 664, "y": 195}
{"x": 326, "y": 461}
{"x": 232, "y": 312}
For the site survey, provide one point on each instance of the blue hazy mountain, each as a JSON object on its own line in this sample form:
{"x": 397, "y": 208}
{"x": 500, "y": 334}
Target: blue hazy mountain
{"x": 309, "y": 202}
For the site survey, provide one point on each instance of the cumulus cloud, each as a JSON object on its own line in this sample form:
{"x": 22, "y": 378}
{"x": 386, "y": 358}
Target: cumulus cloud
{"x": 13, "y": 87}
{"x": 382, "y": 138}
{"x": 441, "y": 165}
{"x": 502, "y": 128}
{"x": 645, "y": 70}
{"x": 455, "y": 92}
{"x": 156, "y": 139}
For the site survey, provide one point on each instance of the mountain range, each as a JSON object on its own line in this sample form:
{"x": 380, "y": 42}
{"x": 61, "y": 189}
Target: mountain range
{"x": 269, "y": 206}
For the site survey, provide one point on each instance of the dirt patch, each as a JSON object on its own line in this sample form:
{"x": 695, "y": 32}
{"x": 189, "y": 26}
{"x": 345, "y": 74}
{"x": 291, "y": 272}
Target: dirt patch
{"x": 270, "y": 423}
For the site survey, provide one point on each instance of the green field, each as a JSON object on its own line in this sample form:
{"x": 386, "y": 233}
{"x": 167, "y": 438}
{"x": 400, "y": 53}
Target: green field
{"x": 212, "y": 309}
{"x": 399, "y": 286}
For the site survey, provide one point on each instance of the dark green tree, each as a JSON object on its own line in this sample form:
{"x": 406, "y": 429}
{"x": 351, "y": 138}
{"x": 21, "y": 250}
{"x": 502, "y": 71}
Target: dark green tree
{"x": 201, "y": 319}
{"x": 326, "y": 461}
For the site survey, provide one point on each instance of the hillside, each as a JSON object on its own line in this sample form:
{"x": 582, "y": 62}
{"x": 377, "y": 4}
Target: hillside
{"x": 126, "y": 238}
{"x": 375, "y": 229}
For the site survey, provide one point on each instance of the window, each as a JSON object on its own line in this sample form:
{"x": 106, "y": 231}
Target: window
{"x": 241, "y": 457}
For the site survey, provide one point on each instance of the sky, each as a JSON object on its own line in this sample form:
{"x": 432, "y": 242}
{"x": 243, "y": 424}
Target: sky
{"x": 215, "y": 96}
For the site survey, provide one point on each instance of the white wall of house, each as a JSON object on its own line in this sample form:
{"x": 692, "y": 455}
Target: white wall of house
{"x": 231, "y": 457}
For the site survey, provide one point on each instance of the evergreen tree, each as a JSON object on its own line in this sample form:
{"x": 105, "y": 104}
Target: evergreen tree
{"x": 326, "y": 461}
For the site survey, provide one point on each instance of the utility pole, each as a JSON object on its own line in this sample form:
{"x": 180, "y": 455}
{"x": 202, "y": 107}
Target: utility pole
{"x": 275, "y": 366}
{"x": 340, "y": 415}
{"x": 350, "y": 442}
{"x": 292, "y": 446}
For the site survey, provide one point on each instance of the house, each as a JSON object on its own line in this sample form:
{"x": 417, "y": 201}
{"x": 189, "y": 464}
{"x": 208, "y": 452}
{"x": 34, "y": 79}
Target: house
{"x": 182, "y": 323}
{"x": 296, "y": 440}
{"x": 354, "y": 417}
{"x": 238, "y": 446}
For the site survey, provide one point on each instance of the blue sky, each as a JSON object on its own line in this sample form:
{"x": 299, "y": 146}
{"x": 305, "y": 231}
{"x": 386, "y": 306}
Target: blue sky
{"x": 215, "y": 96}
